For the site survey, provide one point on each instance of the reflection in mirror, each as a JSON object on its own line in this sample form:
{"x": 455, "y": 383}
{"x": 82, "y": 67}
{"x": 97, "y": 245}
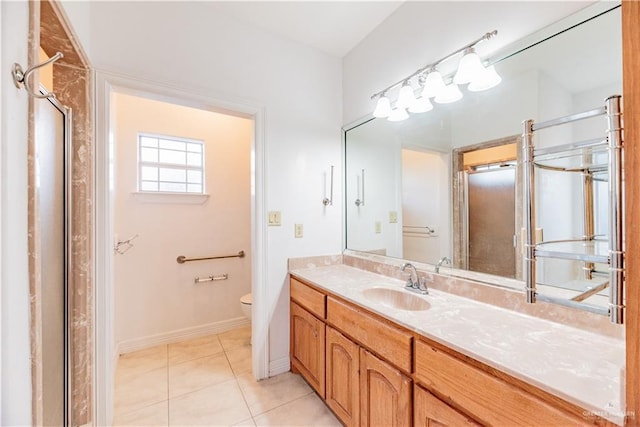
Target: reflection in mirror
{"x": 446, "y": 183}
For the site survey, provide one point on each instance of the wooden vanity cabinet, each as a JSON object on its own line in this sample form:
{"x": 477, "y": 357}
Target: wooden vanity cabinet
{"x": 382, "y": 337}
{"x": 385, "y": 393}
{"x": 373, "y": 372}
{"x": 307, "y": 347}
{"x": 343, "y": 377}
{"x": 487, "y": 398}
{"x": 429, "y": 411}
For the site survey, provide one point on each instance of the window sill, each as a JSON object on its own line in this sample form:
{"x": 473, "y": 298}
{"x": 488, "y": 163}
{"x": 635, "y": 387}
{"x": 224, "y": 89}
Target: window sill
{"x": 172, "y": 198}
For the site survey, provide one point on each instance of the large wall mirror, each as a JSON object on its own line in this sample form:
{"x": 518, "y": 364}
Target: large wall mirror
{"x": 444, "y": 186}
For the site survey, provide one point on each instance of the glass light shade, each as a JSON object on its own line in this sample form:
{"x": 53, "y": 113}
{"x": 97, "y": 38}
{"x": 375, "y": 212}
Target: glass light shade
{"x": 398, "y": 115}
{"x": 451, "y": 93}
{"x": 383, "y": 107}
{"x": 421, "y": 105}
{"x": 405, "y": 97}
{"x": 489, "y": 79}
{"x": 433, "y": 84}
{"x": 469, "y": 69}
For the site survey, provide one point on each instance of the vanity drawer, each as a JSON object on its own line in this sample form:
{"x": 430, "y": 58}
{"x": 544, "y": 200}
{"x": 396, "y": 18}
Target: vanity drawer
{"x": 308, "y": 297}
{"x": 489, "y": 399}
{"x": 387, "y": 341}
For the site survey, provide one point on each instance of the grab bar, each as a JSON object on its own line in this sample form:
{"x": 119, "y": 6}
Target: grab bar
{"x": 425, "y": 227}
{"x": 182, "y": 259}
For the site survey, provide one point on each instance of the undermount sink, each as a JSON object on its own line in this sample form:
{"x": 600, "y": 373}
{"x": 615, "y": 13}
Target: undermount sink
{"x": 396, "y": 298}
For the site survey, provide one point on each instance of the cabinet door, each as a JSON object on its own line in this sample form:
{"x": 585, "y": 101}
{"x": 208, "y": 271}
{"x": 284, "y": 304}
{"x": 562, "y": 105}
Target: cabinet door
{"x": 343, "y": 386}
{"x": 385, "y": 393}
{"x": 429, "y": 411}
{"x": 307, "y": 347}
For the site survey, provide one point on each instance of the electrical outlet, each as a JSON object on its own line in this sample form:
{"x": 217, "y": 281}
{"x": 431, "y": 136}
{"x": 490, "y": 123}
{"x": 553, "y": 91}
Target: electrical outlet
{"x": 393, "y": 217}
{"x": 298, "y": 231}
{"x": 378, "y": 227}
{"x": 274, "y": 219}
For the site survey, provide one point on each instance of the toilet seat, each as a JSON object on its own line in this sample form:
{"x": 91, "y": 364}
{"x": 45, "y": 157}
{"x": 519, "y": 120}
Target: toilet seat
{"x": 246, "y": 299}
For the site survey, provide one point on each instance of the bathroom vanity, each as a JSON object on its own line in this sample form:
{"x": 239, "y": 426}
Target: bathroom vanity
{"x": 380, "y": 355}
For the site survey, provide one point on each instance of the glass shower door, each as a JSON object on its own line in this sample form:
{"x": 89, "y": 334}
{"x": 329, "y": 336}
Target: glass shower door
{"x": 51, "y": 137}
{"x": 491, "y": 208}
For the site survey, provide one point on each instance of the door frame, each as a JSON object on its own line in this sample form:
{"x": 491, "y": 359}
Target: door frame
{"x": 105, "y": 356}
{"x": 460, "y": 239}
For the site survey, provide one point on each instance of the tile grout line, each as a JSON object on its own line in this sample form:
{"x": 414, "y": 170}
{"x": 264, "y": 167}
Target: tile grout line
{"x": 285, "y": 403}
{"x": 235, "y": 374}
{"x": 235, "y": 377}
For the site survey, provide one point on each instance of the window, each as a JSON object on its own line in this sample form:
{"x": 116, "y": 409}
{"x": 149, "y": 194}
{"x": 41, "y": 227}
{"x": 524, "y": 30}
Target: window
{"x": 170, "y": 165}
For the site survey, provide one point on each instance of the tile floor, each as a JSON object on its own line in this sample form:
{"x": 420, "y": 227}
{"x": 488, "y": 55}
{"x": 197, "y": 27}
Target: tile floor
{"x": 208, "y": 382}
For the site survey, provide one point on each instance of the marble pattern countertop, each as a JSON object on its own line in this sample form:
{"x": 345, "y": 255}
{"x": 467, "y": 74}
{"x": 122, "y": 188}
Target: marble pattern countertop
{"x": 581, "y": 367}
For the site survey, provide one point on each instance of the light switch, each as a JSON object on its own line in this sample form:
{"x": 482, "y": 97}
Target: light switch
{"x": 378, "y": 227}
{"x": 298, "y": 231}
{"x": 393, "y": 217}
{"x": 274, "y": 219}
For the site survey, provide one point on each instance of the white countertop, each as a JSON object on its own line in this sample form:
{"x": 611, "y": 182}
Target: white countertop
{"x": 581, "y": 367}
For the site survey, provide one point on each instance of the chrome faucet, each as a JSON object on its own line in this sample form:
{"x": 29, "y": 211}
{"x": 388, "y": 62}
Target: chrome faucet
{"x": 443, "y": 260}
{"x": 414, "y": 282}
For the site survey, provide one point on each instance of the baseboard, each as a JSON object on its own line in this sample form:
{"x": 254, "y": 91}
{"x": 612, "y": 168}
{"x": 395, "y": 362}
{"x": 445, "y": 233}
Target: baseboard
{"x": 279, "y": 366}
{"x": 136, "y": 344}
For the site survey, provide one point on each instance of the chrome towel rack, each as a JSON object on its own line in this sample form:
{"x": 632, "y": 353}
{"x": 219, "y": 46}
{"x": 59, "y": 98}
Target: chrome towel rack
{"x": 182, "y": 259}
{"x": 210, "y": 278}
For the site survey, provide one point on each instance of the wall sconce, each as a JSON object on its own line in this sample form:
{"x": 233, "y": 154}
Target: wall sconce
{"x": 471, "y": 71}
{"x": 360, "y": 184}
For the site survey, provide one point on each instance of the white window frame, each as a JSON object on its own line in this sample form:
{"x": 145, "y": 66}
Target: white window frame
{"x": 159, "y": 164}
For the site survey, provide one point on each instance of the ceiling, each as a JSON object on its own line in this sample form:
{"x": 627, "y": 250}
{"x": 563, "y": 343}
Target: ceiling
{"x": 334, "y": 27}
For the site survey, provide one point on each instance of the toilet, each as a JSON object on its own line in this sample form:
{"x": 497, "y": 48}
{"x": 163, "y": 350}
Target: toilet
{"x": 245, "y": 305}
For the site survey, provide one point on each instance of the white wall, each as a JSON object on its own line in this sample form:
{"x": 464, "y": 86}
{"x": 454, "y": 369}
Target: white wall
{"x": 15, "y": 367}
{"x": 79, "y": 14}
{"x": 426, "y": 202}
{"x": 198, "y": 50}
{"x": 154, "y": 295}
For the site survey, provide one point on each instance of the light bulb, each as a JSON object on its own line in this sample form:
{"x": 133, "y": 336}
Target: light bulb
{"x": 433, "y": 84}
{"x": 451, "y": 93}
{"x": 470, "y": 68}
{"x": 383, "y": 107}
{"x": 490, "y": 78}
{"x": 421, "y": 105}
{"x": 398, "y": 115}
{"x": 405, "y": 97}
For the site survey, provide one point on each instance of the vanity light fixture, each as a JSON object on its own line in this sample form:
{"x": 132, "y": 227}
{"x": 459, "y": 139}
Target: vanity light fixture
{"x": 406, "y": 98}
{"x": 421, "y": 105}
{"x": 398, "y": 115}
{"x": 470, "y": 71}
{"x": 433, "y": 83}
{"x": 470, "y": 68}
{"x": 451, "y": 93}
{"x": 383, "y": 107}
{"x": 489, "y": 79}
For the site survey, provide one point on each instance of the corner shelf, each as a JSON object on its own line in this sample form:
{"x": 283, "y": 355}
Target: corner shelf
{"x": 596, "y": 251}
{"x": 587, "y": 156}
